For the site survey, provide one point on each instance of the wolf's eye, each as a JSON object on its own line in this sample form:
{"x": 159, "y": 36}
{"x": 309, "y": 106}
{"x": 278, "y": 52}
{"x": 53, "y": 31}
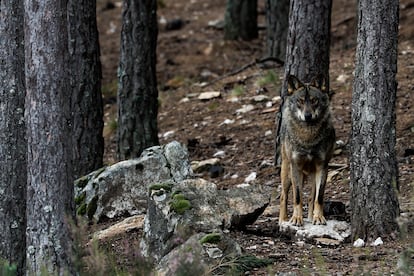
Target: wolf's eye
{"x": 314, "y": 101}
{"x": 300, "y": 101}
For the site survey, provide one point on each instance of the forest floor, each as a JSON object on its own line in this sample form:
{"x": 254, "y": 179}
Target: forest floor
{"x": 195, "y": 58}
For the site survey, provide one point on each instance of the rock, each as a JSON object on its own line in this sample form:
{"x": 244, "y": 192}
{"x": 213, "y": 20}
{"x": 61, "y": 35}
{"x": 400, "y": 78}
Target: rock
{"x": 127, "y": 225}
{"x": 338, "y": 230}
{"x": 377, "y": 242}
{"x": 209, "y": 95}
{"x": 245, "y": 108}
{"x": 122, "y": 189}
{"x": 251, "y": 177}
{"x": 202, "y": 166}
{"x": 196, "y": 206}
{"x": 202, "y": 256}
{"x": 359, "y": 243}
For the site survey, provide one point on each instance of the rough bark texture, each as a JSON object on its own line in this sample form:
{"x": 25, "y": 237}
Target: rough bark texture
{"x": 137, "y": 93}
{"x": 12, "y": 135}
{"x": 240, "y": 20}
{"x": 48, "y": 101}
{"x": 374, "y": 172}
{"x": 277, "y": 19}
{"x": 308, "y": 41}
{"x": 88, "y": 143}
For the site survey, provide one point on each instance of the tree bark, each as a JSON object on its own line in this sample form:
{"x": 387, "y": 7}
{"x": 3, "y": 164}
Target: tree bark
{"x": 307, "y": 52}
{"x": 48, "y": 101}
{"x": 137, "y": 93}
{"x": 13, "y": 143}
{"x": 374, "y": 171}
{"x": 277, "y": 19}
{"x": 88, "y": 143}
{"x": 240, "y": 20}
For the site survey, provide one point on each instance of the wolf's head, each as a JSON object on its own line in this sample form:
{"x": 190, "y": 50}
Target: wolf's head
{"x": 308, "y": 102}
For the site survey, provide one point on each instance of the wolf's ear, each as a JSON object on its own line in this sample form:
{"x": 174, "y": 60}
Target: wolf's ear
{"x": 319, "y": 82}
{"x": 293, "y": 84}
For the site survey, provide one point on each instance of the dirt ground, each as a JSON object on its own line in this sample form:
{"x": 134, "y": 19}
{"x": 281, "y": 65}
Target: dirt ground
{"x": 191, "y": 60}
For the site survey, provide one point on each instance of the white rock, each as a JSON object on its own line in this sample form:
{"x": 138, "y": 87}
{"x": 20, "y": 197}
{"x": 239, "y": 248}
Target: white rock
{"x": 268, "y": 133}
{"x": 245, "y": 108}
{"x": 209, "y": 95}
{"x": 276, "y": 99}
{"x": 251, "y": 177}
{"x": 359, "y": 243}
{"x": 227, "y": 122}
{"x": 260, "y": 98}
{"x": 220, "y": 153}
{"x": 168, "y": 133}
{"x": 377, "y": 242}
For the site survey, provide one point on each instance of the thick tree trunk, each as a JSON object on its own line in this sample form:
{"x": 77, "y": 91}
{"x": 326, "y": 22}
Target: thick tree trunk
{"x": 374, "y": 172}
{"x": 308, "y": 41}
{"x": 88, "y": 143}
{"x": 13, "y": 144}
{"x": 240, "y": 20}
{"x": 277, "y": 19}
{"x": 137, "y": 92}
{"x": 48, "y": 102}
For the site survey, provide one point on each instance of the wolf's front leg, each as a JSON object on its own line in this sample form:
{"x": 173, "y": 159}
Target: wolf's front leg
{"x": 286, "y": 183}
{"x": 297, "y": 181}
{"x": 320, "y": 181}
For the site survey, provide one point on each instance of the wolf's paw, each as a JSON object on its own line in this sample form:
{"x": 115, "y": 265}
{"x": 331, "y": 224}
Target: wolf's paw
{"x": 319, "y": 220}
{"x": 282, "y": 220}
{"x": 296, "y": 220}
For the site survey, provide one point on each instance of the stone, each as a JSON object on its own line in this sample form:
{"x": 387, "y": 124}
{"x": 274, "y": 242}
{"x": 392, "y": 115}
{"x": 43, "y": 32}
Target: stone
{"x": 195, "y": 257}
{"x": 334, "y": 229}
{"x": 197, "y": 206}
{"x": 121, "y": 190}
{"x": 124, "y": 226}
{"x": 209, "y": 95}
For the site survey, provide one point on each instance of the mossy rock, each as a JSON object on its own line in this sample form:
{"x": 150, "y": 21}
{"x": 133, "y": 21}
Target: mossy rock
{"x": 211, "y": 238}
{"x": 92, "y": 206}
{"x": 180, "y": 204}
{"x": 161, "y": 186}
{"x": 80, "y": 199}
{"x": 81, "y": 210}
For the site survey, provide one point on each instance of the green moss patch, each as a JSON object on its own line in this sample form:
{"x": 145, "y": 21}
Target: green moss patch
{"x": 161, "y": 186}
{"x": 180, "y": 204}
{"x": 211, "y": 238}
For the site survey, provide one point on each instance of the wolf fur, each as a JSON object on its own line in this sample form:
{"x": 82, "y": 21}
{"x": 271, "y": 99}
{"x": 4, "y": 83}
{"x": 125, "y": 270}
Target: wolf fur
{"x": 307, "y": 138}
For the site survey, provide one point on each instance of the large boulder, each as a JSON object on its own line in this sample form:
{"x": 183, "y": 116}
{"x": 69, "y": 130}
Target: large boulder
{"x": 122, "y": 189}
{"x": 178, "y": 211}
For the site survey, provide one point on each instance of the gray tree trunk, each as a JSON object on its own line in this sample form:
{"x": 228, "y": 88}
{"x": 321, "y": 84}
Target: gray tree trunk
{"x": 308, "y": 41}
{"x": 240, "y": 20}
{"x": 137, "y": 92}
{"x": 13, "y": 144}
{"x": 374, "y": 171}
{"x": 277, "y": 19}
{"x": 88, "y": 143}
{"x": 50, "y": 201}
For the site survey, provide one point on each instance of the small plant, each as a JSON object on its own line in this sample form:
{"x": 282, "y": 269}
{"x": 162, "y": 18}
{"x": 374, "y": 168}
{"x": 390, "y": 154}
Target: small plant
{"x": 7, "y": 269}
{"x": 270, "y": 78}
{"x": 238, "y": 265}
{"x": 237, "y": 91}
{"x": 161, "y": 186}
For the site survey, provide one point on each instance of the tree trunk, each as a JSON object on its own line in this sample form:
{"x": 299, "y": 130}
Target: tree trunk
{"x": 374, "y": 171}
{"x": 137, "y": 93}
{"x": 308, "y": 41}
{"x": 13, "y": 145}
{"x": 277, "y": 19}
{"x": 240, "y": 20}
{"x": 48, "y": 101}
{"x": 88, "y": 143}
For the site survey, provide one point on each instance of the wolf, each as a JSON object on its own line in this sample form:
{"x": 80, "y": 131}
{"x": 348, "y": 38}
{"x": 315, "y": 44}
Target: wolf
{"x": 307, "y": 138}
